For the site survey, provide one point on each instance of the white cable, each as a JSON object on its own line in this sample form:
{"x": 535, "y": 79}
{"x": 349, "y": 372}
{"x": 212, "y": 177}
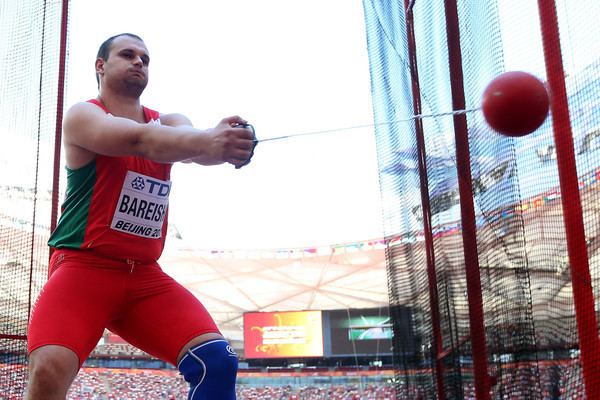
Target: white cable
{"x": 418, "y": 116}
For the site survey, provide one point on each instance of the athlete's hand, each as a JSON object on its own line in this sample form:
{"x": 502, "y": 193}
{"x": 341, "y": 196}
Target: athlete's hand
{"x": 230, "y": 142}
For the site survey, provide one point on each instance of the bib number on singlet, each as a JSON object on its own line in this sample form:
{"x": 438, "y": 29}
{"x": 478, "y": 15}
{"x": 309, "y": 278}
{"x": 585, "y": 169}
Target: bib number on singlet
{"x": 142, "y": 206}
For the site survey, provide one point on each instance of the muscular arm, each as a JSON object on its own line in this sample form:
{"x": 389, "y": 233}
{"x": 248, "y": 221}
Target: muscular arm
{"x": 88, "y": 130}
{"x": 179, "y": 120}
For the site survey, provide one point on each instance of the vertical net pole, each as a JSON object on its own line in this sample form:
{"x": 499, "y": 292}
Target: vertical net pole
{"x": 60, "y": 94}
{"x": 425, "y": 204}
{"x": 583, "y": 295}
{"x": 467, "y": 209}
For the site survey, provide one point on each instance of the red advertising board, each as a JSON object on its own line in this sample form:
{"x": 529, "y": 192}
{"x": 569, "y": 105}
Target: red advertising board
{"x": 283, "y": 334}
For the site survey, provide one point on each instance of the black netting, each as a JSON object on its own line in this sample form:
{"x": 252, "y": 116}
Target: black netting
{"x": 29, "y": 65}
{"x": 529, "y": 324}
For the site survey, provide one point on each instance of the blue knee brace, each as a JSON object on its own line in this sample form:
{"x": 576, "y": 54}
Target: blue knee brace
{"x": 210, "y": 368}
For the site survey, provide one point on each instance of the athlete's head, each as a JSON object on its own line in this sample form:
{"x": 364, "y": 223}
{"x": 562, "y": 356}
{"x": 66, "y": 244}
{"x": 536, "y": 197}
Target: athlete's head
{"x": 122, "y": 63}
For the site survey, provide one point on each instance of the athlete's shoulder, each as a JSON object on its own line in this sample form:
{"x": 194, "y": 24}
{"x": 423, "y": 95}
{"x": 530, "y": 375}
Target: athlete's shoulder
{"x": 88, "y": 106}
{"x": 175, "y": 119}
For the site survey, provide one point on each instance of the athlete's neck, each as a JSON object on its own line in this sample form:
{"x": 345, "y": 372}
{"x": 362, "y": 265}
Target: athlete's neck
{"x": 121, "y": 106}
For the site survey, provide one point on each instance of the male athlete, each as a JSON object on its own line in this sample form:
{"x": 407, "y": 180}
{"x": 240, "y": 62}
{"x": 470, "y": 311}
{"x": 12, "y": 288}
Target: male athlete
{"x": 103, "y": 271}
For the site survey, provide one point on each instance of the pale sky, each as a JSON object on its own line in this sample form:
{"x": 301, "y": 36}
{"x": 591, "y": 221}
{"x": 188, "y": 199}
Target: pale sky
{"x": 286, "y": 66}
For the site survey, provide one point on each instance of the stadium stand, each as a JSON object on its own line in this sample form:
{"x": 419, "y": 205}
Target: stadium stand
{"x": 557, "y": 380}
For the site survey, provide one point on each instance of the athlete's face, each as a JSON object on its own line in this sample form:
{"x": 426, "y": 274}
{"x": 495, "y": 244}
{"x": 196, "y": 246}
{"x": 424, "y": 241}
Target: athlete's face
{"x": 126, "y": 69}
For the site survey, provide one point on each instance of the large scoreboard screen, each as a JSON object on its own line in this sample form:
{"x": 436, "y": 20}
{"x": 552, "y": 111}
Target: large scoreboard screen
{"x": 359, "y": 331}
{"x": 283, "y": 334}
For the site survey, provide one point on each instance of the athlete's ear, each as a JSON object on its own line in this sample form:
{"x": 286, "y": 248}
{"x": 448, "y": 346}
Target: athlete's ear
{"x": 99, "y": 67}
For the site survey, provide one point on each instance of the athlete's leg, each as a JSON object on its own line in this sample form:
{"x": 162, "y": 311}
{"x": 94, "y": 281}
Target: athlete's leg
{"x": 67, "y": 321}
{"x": 167, "y": 321}
{"x": 52, "y": 369}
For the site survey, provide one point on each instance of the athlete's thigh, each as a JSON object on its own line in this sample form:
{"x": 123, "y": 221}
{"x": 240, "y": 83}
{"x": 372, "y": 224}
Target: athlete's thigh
{"x": 73, "y": 308}
{"x": 163, "y": 316}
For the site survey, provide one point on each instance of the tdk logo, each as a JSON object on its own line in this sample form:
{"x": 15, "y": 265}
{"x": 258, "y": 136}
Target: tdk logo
{"x": 156, "y": 188}
{"x": 138, "y": 183}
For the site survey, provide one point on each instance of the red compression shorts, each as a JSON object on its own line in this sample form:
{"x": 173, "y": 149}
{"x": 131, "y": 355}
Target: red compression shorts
{"x": 139, "y": 302}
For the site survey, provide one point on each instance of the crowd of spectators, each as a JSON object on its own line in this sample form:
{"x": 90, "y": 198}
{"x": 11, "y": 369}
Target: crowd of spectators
{"x": 554, "y": 381}
{"x": 118, "y": 349}
{"x": 562, "y": 380}
{"x": 12, "y": 381}
{"x": 167, "y": 385}
{"x": 338, "y": 392}
{"x": 120, "y": 384}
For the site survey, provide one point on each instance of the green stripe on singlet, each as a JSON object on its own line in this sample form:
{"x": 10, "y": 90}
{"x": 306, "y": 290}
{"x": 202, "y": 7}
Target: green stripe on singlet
{"x": 70, "y": 231}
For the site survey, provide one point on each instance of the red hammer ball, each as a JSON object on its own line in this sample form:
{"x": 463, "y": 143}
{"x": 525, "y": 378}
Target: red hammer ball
{"x": 515, "y": 103}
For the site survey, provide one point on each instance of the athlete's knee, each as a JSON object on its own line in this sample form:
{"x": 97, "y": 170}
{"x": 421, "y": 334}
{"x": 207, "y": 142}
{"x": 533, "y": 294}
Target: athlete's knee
{"x": 51, "y": 372}
{"x": 210, "y": 368}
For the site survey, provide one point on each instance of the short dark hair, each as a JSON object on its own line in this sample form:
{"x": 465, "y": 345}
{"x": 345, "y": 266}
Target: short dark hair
{"x": 104, "y": 49}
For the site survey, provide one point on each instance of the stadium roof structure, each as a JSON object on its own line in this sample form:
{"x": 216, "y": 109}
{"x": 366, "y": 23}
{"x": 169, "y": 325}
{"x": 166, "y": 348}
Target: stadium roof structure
{"x": 232, "y": 282}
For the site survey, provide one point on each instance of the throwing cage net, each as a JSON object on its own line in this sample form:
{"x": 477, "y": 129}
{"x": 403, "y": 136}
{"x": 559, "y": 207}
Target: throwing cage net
{"x": 492, "y": 282}
{"x": 501, "y": 289}
{"x": 30, "y": 69}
